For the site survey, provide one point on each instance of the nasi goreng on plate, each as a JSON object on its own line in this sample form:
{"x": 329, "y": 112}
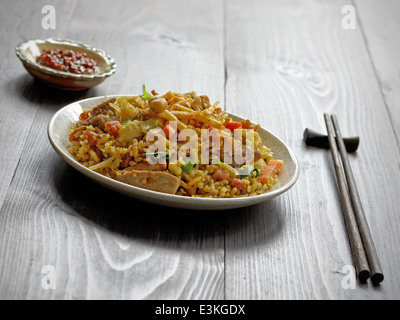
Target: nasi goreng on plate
{"x": 174, "y": 143}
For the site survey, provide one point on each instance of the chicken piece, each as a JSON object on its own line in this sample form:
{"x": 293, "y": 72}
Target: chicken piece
{"x": 98, "y": 121}
{"x": 98, "y": 153}
{"x": 125, "y": 161}
{"x": 73, "y": 136}
{"x": 151, "y": 180}
{"x": 257, "y": 154}
{"x": 147, "y": 166}
{"x": 103, "y": 108}
{"x": 100, "y": 114}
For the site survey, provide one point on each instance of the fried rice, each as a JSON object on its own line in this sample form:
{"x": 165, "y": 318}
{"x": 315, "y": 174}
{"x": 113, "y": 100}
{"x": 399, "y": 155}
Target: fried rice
{"x": 112, "y": 139}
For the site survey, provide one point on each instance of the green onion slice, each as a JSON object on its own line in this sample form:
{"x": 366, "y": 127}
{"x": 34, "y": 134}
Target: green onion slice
{"x": 158, "y": 154}
{"x": 146, "y": 96}
{"x": 188, "y": 166}
{"x": 257, "y": 171}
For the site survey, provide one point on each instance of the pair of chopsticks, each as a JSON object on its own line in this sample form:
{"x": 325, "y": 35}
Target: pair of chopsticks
{"x": 362, "y": 246}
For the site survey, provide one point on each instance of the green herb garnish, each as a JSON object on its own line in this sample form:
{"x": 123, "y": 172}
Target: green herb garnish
{"x": 146, "y": 96}
{"x": 158, "y": 154}
{"x": 188, "y": 166}
{"x": 257, "y": 171}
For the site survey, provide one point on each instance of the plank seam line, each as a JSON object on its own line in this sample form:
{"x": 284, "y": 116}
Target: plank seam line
{"x": 224, "y": 21}
{"x": 377, "y": 76}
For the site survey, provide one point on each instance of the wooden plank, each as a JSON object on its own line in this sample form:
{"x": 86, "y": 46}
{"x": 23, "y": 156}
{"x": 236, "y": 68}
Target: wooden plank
{"x": 380, "y": 23}
{"x": 16, "y": 92}
{"x": 20, "y": 93}
{"x": 101, "y": 244}
{"x": 288, "y": 63}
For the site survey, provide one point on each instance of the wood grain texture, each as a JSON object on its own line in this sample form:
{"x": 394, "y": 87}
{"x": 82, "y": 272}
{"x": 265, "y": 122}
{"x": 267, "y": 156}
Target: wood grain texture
{"x": 104, "y": 245}
{"x": 288, "y": 63}
{"x": 379, "y": 23}
{"x": 280, "y": 63}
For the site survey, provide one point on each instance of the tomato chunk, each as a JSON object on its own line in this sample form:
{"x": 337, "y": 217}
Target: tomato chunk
{"x": 112, "y": 127}
{"x": 239, "y": 184}
{"x": 246, "y": 124}
{"x": 233, "y": 125}
{"x": 191, "y": 191}
{"x": 221, "y": 174}
{"x": 169, "y": 129}
{"x": 92, "y": 138}
{"x": 84, "y": 115}
{"x": 268, "y": 173}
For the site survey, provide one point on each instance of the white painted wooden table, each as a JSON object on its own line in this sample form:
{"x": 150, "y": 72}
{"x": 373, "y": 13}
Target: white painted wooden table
{"x": 281, "y": 63}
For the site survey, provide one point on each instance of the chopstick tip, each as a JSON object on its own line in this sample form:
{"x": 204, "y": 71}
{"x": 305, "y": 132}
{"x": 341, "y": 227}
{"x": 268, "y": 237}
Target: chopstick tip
{"x": 377, "y": 278}
{"x": 363, "y": 276}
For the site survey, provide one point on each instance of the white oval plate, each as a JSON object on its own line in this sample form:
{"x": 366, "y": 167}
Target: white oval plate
{"x": 62, "y": 121}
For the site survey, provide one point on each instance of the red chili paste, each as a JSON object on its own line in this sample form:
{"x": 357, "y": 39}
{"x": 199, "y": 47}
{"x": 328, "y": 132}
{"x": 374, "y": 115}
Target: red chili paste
{"x": 69, "y": 61}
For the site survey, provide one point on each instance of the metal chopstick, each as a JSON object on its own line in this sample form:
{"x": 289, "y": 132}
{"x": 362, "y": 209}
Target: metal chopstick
{"x": 357, "y": 249}
{"x": 365, "y": 233}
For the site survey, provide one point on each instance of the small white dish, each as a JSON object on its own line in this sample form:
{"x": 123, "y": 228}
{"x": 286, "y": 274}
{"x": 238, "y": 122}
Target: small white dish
{"x": 29, "y": 51}
{"x": 62, "y": 121}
